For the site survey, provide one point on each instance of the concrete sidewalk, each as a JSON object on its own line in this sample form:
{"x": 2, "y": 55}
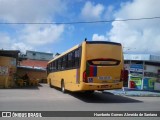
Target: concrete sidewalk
{"x": 136, "y": 93}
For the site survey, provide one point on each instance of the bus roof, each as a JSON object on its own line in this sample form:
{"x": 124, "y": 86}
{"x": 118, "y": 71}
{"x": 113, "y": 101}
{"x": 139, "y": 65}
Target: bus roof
{"x": 103, "y": 42}
{"x": 87, "y": 42}
{"x": 73, "y": 48}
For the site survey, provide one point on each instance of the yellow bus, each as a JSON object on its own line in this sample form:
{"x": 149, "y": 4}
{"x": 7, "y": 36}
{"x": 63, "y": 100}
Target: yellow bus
{"x": 90, "y": 66}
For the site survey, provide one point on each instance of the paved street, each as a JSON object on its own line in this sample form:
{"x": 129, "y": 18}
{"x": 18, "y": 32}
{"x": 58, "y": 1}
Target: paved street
{"x": 44, "y": 98}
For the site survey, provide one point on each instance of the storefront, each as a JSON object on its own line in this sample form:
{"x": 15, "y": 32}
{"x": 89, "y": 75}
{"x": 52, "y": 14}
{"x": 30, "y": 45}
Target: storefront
{"x": 8, "y": 68}
{"x": 7, "y": 71}
{"x": 144, "y": 71}
{"x": 33, "y": 73}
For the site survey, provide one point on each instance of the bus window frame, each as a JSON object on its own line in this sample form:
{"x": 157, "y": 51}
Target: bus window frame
{"x": 68, "y": 64}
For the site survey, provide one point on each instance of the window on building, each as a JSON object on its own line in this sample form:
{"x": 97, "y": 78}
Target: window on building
{"x": 34, "y": 54}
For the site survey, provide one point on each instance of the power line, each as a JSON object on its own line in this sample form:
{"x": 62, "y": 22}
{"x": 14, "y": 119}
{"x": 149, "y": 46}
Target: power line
{"x": 82, "y": 22}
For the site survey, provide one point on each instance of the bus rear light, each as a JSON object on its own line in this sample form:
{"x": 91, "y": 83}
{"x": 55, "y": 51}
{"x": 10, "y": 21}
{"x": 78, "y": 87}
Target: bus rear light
{"x": 85, "y": 77}
{"x": 122, "y": 75}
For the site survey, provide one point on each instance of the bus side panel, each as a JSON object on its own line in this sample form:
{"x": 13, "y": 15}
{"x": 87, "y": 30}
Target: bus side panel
{"x": 53, "y": 79}
{"x": 71, "y": 79}
{"x": 83, "y": 61}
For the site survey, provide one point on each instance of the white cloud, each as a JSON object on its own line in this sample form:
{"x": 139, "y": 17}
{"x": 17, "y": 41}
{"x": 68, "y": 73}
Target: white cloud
{"x": 41, "y": 34}
{"x": 21, "y": 46}
{"x": 143, "y": 35}
{"x": 5, "y": 41}
{"x": 90, "y": 11}
{"x": 97, "y": 37}
{"x": 31, "y": 36}
{"x": 30, "y": 10}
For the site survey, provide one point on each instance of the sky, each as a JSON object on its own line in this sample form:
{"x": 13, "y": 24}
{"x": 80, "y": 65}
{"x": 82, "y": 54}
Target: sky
{"x": 141, "y": 36}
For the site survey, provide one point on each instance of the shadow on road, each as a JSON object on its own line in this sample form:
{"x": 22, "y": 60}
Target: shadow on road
{"x": 28, "y": 87}
{"x": 98, "y": 97}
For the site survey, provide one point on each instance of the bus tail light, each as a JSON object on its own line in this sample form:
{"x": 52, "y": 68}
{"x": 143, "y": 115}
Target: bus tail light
{"x": 122, "y": 75}
{"x": 85, "y": 77}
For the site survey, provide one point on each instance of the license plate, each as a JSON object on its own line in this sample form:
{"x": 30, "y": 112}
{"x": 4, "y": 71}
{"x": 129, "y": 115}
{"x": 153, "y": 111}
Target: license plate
{"x": 90, "y": 80}
{"x": 105, "y": 78}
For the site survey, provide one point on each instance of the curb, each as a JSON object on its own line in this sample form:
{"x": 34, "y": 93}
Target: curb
{"x": 134, "y": 93}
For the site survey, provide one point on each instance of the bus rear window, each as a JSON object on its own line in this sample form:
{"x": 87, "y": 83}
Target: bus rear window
{"x": 104, "y": 62}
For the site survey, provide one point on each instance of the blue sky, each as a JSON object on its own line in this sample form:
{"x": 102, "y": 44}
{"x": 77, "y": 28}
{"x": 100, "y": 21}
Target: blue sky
{"x": 136, "y": 36}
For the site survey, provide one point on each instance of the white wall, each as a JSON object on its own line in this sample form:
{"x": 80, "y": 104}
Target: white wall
{"x": 151, "y": 68}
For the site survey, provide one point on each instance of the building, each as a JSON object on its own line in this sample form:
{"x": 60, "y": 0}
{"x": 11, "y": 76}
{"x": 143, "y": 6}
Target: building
{"x": 34, "y": 55}
{"x": 13, "y": 66}
{"x": 8, "y": 67}
{"x": 10, "y": 53}
{"x": 34, "y": 65}
{"x": 144, "y": 71}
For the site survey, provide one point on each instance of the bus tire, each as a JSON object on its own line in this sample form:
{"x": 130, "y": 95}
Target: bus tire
{"x": 63, "y": 86}
{"x": 50, "y": 85}
{"x": 89, "y": 92}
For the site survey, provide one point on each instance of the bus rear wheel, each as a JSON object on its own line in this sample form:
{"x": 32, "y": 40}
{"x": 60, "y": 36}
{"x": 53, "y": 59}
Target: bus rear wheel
{"x": 89, "y": 92}
{"x": 63, "y": 86}
{"x": 50, "y": 84}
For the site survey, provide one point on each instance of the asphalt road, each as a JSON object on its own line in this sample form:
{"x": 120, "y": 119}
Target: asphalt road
{"x": 44, "y": 98}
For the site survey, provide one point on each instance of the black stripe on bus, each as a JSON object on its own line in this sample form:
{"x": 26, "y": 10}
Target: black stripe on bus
{"x": 102, "y": 42}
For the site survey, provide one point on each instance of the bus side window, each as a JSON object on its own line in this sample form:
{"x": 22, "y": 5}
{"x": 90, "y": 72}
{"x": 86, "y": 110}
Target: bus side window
{"x": 50, "y": 66}
{"x": 64, "y": 63}
{"x": 59, "y": 64}
{"x": 70, "y": 60}
{"x": 73, "y": 59}
{"x": 56, "y": 65}
{"x": 77, "y": 58}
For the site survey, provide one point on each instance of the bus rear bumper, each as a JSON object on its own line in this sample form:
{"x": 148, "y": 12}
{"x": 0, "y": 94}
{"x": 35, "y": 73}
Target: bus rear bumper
{"x": 102, "y": 86}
